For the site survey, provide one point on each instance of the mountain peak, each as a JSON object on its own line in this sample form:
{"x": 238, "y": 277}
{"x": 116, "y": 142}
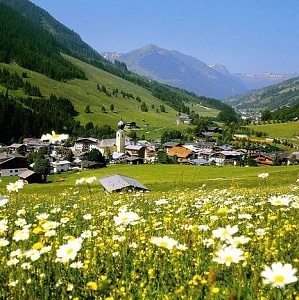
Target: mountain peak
{"x": 220, "y": 68}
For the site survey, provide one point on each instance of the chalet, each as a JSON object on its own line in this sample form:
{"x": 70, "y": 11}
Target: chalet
{"x": 12, "y": 165}
{"x": 214, "y": 129}
{"x": 60, "y": 166}
{"x": 131, "y": 125}
{"x": 117, "y": 158}
{"x": 255, "y": 151}
{"x": 134, "y": 160}
{"x": 223, "y": 148}
{"x": 206, "y": 145}
{"x": 31, "y": 177}
{"x": 87, "y": 164}
{"x": 228, "y": 156}
{"x": 184, "y": 120}
{"x": 86, "y": 144}
{"x": 34, "y": 144}
{"x": 135, "y": 150}
{"x": 268, "y": 159}
{"x": 106, "y": 147}
{"x": 180, "y": 152}
{"x": 205, "y": 136}
{"x": 18, "y": 148}
{"x": 169, "y": 145}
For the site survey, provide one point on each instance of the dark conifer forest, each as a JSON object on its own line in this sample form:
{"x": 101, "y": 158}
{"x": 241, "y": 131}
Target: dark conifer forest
{"x": 32, "y": 47}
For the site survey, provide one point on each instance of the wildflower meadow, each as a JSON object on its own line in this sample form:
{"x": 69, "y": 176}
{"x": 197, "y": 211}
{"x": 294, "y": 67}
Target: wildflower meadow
{"x": 199, "y": 243}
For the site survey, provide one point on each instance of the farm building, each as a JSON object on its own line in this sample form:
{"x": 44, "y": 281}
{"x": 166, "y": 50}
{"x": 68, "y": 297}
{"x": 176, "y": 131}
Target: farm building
{"x": 31, "y": 177}
{"x": 117, "y": 183}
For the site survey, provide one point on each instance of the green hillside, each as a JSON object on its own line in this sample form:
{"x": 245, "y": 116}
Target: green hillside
{"x": 272, "y": 98}
{"x": 85, "y": 92}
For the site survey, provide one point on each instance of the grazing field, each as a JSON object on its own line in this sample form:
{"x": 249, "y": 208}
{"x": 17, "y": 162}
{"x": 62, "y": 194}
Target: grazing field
{"x": 199, "y": 233}
{"x": 280, "y": 130}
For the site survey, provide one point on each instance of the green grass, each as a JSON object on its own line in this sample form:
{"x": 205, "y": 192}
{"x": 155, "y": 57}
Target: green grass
{"x": 165, "y": 178}
{"x": 287, "y": 131}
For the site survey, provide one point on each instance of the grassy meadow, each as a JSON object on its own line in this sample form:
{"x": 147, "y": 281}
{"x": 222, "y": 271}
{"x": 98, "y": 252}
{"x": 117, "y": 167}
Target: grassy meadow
{"x": 199, "y": 233}
{"x": 280, "y": 130}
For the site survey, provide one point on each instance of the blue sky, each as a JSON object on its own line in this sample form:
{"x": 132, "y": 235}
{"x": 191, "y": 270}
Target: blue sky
{"x": 246, "y": 36}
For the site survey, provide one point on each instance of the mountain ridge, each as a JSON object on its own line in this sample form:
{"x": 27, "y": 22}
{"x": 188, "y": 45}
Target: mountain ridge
{"x": 208, "y": 80}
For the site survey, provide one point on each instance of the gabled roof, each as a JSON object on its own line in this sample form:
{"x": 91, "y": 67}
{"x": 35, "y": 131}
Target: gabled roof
{"x": 199, "y": 161}
{"x": 90, "y": 140}
{"x": 119, "y": 182}
{"x": 26, "y": 174}
{"x": 134, "y": 147}
{"x": 180, "y": 152}
{"x": 60, "y": 162}
{"x": 15, "y": 145}
{"x": 107, "y": 143}
{"x": 171, "y": 144}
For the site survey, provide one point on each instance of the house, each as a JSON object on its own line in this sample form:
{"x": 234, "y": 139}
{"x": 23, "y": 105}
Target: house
{"x": 18, "y": 148}
{"x": 184, "y": 120}
{"x": 228, "y": 156}
{"x": 106, "y": 147}
{"x": 117, "y": 183}
{"x": 87, "y": 164}
{"x": 199, "y": 162}
{"x": 86, "y": 144}
{"x": 31, "y": 177}
{"x": 268, "y": 159}
{"x": 117, "y": 158}
{"x": 206, "y": 145}
{"x": 135, "y": 150}
{"x": 34, "y": 144}
{"x": 131, "y": 125}
{"x": 169, "y": 145}
{"x": 12, "y": 165}
{"x": 60, "y": 166}
{"x": 134, "y": 160}
{"x": 181, "y": 153}
{"x": 214, "y": 129}
{"x": 205, "y": 136}
{"x": 223, "y": 148}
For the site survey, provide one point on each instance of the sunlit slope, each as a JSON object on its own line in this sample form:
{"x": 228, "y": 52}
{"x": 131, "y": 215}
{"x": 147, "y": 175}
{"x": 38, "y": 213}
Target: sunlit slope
{"x": 85, "y": 92}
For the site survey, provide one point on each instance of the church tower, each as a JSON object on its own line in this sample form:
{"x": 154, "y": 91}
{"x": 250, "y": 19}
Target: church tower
{"x": 120, "y": 137}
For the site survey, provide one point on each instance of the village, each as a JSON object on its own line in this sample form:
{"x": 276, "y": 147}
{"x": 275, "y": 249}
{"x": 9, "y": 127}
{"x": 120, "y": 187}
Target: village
{"x": 123, "y": 150}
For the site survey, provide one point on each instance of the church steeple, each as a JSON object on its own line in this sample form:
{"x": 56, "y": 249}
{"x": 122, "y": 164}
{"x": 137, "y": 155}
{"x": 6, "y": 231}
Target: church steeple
{"x": 120, "y": 137}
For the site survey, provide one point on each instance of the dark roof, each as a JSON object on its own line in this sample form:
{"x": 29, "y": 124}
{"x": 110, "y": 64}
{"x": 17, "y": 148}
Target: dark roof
{"x": 171, "y": 144}
{"x": 119, "y": 182}
{"x": 91, "y": 164}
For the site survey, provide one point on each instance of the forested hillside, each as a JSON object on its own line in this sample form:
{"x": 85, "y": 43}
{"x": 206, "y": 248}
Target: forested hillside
{"x": 32, "y": 47}
{"x": 271, "y": 98}
{"x": 60, "y": 32}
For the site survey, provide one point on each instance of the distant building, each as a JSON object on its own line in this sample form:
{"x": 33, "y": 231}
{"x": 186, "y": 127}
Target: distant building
{"x": 117, "y": 183}
{"x": 12, "y": 165}
{"x": 31, "y": 177}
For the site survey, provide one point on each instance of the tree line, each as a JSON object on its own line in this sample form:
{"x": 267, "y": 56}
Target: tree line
{"x": 33, "y": 117}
